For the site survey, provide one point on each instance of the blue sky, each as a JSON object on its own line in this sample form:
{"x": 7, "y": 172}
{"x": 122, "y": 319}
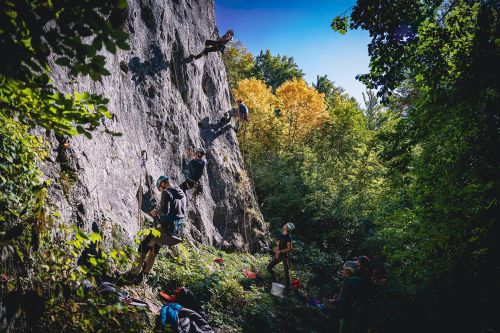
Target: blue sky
{"x": 300, "y": 29}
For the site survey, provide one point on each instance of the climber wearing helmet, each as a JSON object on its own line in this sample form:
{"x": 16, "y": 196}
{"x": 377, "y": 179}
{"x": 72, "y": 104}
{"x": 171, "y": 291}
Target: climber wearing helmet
{"x": 194, "y": 169}
{"x": 281, "y": 252}
{"x": 216, "y": 45}
{"x": 170, "y": 215}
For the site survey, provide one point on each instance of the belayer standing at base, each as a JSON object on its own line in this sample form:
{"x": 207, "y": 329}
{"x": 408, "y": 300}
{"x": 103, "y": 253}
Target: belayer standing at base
{"x": 216, "y": 45}
{"x": 171, "y": 217}
{"x": 281, "y": 252}
{"x": 194, "y": 169}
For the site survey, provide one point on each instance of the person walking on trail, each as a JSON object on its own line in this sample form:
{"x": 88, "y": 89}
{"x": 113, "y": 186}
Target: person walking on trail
{"x": 194, "y": 169}
{"x": 170, "y": 215}
{"x": 216, "y": 45}
{"x": 281, "y": 252}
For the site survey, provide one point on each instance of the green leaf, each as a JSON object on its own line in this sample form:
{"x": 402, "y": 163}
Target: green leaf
{"x": 156, "y": 233}
{"x": 340, "y": 24}
{"x": 122, "y": 4}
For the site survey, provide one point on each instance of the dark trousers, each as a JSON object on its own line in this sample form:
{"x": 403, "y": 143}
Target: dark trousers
{"x": 187, "y": 185}
{"x": 212, "y": 46}
{"x": 286, "y": 266}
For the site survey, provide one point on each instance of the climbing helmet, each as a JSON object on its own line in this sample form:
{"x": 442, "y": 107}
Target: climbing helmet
{"x": 351, "y": 266}
{"x": 160, "y": 180}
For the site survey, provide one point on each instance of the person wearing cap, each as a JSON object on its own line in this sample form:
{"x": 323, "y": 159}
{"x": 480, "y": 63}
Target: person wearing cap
{"x": 195, "y": 168}
{"x": 281, "y": 252}
{"x": 170, "y": 215}
{"x": 351, "y": 292}
{"x": 216, "y": 45}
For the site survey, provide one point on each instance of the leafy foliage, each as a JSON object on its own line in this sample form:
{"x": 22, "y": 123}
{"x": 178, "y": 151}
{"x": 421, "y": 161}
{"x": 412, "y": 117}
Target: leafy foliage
{"x": 436, "y": 220}
{"x": 236, "y": 303}
{"x": 301, "y": 110}
{"x": 20, "y": 179}
{"x": 36, "y": 34}
{"x": 279, "y": 121}
{"x": 276, "y": 70}
{"x": 239, "y": 63}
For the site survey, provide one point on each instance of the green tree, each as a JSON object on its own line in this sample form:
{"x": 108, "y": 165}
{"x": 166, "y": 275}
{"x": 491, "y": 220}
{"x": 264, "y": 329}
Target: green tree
{"x": 275, "y": 70}
{"x": 439, "y": 58}
{"x": 326, "y": 86}
{"x": 239, "y": 63}
{"x": 69, "y": 33}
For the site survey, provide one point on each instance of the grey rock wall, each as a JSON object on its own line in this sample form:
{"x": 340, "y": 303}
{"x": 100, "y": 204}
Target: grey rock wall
{"x": 158, "y": 96}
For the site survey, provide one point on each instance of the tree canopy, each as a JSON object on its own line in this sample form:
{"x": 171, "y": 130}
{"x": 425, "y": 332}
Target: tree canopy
{"x": 36, "y": 34}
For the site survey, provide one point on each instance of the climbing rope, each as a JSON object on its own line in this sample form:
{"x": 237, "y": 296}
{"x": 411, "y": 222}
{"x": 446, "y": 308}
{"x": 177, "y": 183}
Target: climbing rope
{"x": 143, "y": 173}
{"x": 175, "y": 48}
{"x": 245, "y": 199}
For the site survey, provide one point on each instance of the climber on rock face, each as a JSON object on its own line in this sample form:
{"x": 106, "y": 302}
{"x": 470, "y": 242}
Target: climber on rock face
{"x": 242, "y": 110}
{"x": 216, "y": 45}
{"x": 171, "y": 217}
{"x": 281, "y": 251}
{"x": 195, "y": 169}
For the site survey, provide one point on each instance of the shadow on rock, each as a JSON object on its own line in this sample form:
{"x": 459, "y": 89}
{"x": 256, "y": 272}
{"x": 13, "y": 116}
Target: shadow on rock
{"x": 210, "y": 132}
{"x": 141, "y": 70}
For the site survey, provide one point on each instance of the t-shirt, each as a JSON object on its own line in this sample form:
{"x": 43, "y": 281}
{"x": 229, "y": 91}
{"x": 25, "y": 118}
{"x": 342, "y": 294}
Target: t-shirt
{"x": 196, "y": 167}
{"x": 283, "y": 241}
{"x": 243, "y": 109}
{"x": 225, "y": 39}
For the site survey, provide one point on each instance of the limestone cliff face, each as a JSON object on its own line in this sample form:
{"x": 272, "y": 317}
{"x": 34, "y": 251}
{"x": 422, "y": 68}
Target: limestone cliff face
{"x": 158, "y": 96}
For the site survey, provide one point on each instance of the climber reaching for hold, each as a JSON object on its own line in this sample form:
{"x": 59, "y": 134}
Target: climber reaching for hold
{"x": 170, "y": 215}
{"x": 194, "y": 170}
{"x": 216, "y": 45}
{"x": 281, "y": 252}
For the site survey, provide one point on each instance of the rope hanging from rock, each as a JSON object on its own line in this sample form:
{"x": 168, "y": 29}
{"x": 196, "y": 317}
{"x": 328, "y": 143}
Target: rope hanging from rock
{"x": 175, "y": 48}
{"x": 245, "y": 199}
{"x": 144, "y": 158}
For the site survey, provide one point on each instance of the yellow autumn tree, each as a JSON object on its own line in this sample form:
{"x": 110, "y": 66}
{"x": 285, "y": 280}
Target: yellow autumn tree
{"x": 262, "y": 134}
{"x": 302, "y": 110}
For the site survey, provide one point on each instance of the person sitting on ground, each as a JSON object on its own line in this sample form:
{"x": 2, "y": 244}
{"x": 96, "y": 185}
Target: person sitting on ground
{"x": 281, "y": 252}
{"x": 195, "y": 169}
{"x": 171, "y": 217}
{"x": 216, "y": 45}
